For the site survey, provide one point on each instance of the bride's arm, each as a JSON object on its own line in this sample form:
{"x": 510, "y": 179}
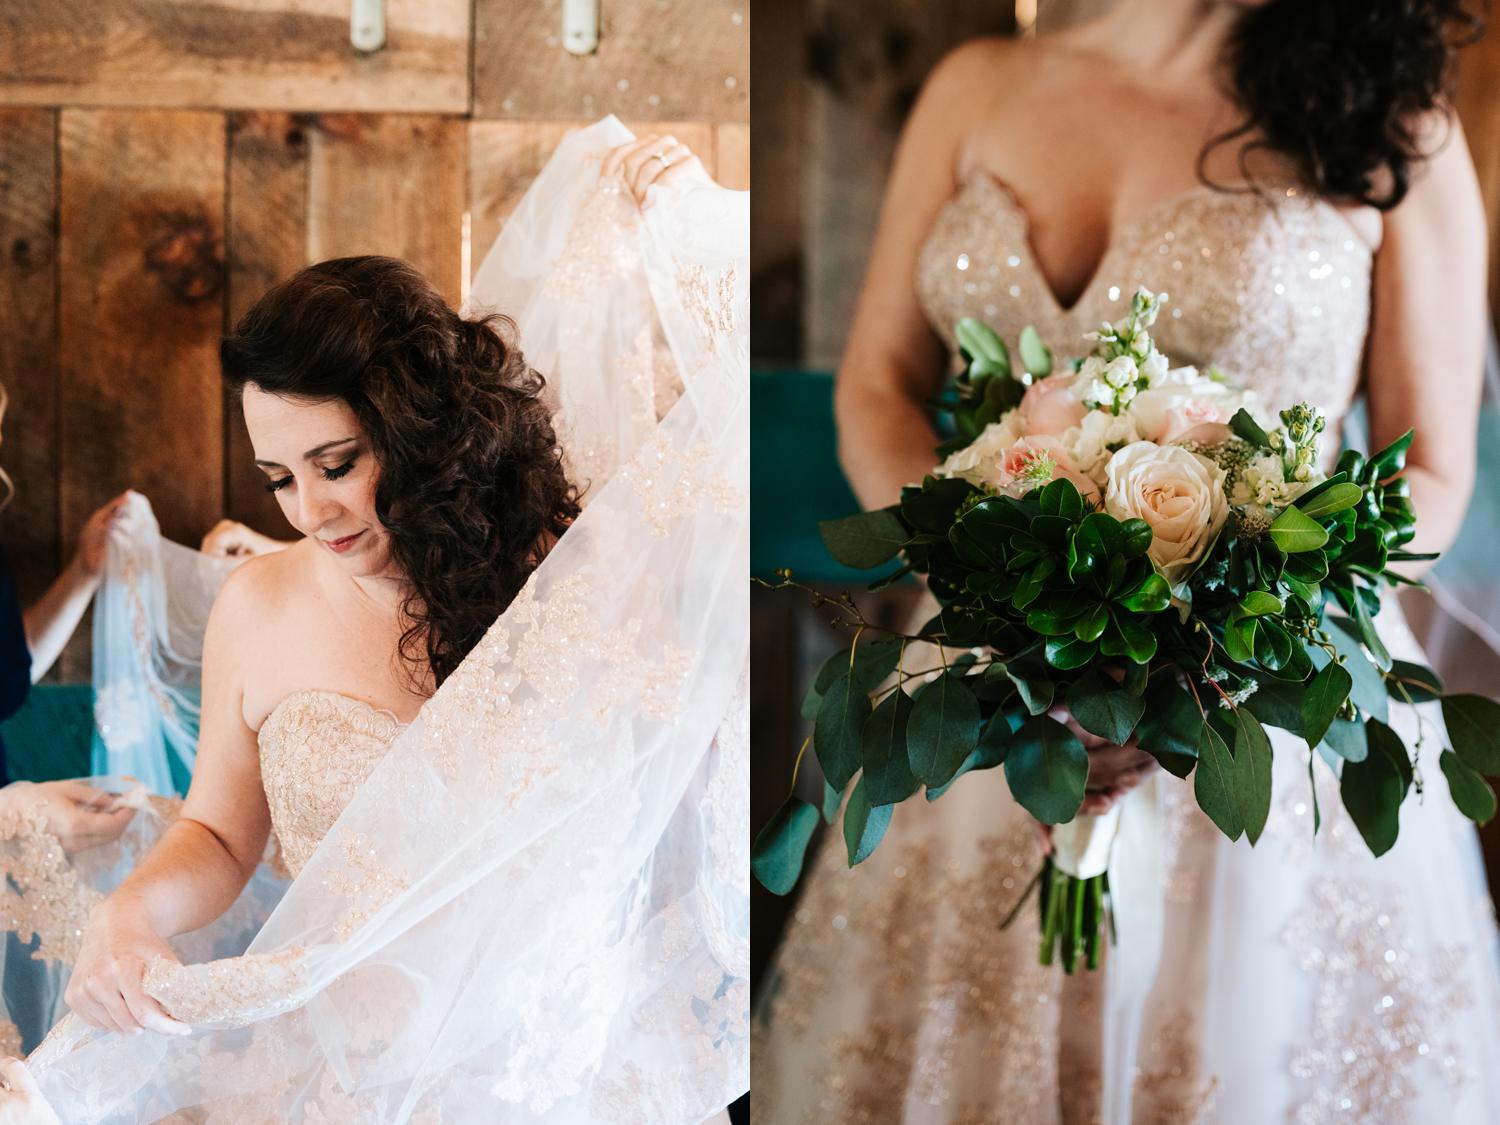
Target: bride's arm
{"x": 202, "y": 861}
{"x": 893, "y": 362}
{"x": 1425, "y": 364}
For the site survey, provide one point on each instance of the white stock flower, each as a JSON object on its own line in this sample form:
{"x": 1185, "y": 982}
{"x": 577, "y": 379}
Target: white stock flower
{"x": 1121, "y": 372}
{"x": 1178, "y": 493}
{"x": 1090, "y": 442}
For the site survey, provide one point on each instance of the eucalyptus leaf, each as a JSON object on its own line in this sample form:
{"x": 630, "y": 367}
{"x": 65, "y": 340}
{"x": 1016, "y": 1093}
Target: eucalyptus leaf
{"x": 1106, "y": 711}
{"x": 1473, "y": 723}
{"x": 1322, "y": 700}
{"x": 1347, "y": 738}
{"x": 1420, "y": 683}
{"x": 1214, "y": 783}
{"x": 1369, "y": 692}
{"x": 943, "y": 729}
{"x": 780, "y": 847}
{"x": 994, "y": 741}
{"x": 1372, "y": 791}
{"x": 1252, "y": 774}
{"x": 838, "y": 730}
{"x": 888, "y": 778}
{"x": 1035, "y": 688}
{"x": 832, "y": 799}
{"x": 1470, "y": 791}
{"x": 1047, "y": 769}
{"x": 1387, "y": 743}
{"x": 1167, "y": 725}
{"x": 864, "y": 825}
{"x": 865, "y": 540}
{"x": 1371, "y": 639}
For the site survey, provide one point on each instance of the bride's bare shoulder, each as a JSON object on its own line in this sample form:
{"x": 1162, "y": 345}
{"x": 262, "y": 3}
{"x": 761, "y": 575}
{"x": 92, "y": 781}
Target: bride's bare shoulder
{"x": 261, "y": 590}
{"x": 995, "y": 73}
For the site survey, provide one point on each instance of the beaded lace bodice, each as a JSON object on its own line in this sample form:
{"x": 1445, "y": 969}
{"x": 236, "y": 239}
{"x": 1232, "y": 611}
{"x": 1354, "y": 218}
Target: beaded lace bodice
{"x": 316, "y": 749}
{"x": 1274, "y": 288}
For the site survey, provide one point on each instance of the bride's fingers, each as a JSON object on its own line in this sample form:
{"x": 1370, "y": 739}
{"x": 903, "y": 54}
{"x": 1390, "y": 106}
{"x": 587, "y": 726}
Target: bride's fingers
{"x": 642, "y": 165}
{"x": 680, "y": 162}
{"x": 614, "y": 160}
{"x": 109, "y": 1008}
{"x": 659, "y": 163}
{"x": 149, "y": 1013}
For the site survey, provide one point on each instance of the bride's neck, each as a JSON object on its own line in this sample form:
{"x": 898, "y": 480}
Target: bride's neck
{"x": 1178, "y": 41}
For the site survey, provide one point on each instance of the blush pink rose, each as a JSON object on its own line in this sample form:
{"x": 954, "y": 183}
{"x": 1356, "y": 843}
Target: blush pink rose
{"x": 1050, "y": 407}
{"x": 1191, "y": 418}
{"x": 1018, "y": 461}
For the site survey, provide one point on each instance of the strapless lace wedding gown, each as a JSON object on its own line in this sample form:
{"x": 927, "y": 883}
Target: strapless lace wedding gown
{"x": 316, "y": 750}
{"x": 1301, "y": 981}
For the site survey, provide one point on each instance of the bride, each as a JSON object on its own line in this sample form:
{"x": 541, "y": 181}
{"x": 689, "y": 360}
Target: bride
{"x": 1290, "y": 173}
{"x": 491, "y": 736}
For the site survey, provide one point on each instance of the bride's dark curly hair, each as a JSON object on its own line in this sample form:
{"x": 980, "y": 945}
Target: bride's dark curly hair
{"x": 1341, "y": 87}
{"x": 471, "y": 483}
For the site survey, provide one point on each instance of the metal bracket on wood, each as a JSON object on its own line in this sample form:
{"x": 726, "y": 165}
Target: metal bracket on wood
{"x": 367, "y": 25}
{"x": 581, "y": 26}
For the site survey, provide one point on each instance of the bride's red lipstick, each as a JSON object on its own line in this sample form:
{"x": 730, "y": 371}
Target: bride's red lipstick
{"x": 339, "y": 546}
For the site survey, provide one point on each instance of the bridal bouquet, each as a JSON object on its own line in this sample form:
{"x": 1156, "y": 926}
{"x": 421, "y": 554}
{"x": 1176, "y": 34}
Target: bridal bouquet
{"x": 1131, "y": 542}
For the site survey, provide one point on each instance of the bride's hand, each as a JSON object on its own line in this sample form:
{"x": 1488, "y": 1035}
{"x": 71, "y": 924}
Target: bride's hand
{"x": 79, "y": 815}
{"x": 21, "y": 1103}
{"x": 106, "y": 987}
{"x": 652, "y": 160}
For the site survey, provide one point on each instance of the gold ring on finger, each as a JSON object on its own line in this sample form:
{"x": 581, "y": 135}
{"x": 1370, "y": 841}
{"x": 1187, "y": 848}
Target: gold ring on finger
{"x": 665, "y": 163}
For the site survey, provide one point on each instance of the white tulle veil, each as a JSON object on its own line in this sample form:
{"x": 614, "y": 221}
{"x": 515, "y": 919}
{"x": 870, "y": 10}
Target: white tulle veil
{"x": 536, "y": 909}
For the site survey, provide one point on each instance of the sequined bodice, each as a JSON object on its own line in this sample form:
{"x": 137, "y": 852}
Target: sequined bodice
{"x": 316, "y": 749}
{"x": 1274, "y": 288}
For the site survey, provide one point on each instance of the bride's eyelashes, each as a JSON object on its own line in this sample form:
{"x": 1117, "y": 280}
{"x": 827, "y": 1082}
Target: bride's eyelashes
{"x": 328, "y": 474}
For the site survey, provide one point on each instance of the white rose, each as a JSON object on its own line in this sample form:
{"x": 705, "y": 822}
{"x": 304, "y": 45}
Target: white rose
{"x": 1179, "y": 494}
{"x": 1089, "y": 443}
{"x": 979, "y": 462}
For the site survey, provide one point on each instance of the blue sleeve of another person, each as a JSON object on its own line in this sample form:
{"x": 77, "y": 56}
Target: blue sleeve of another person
{"x": 15, "y": 657}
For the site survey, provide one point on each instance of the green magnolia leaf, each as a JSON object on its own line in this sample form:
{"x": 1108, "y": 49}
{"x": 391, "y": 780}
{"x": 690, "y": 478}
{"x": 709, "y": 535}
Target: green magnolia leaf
{"x": 993, "y": 744}
{"x": 1246, "y": 427}
{"x": 1347, "y": 739}
{"x": 780, "y": 847}
{"x": 1106, "y": 711}
{"x": 1369, "y": 636}
{"x": 864, "y": 826}
{"x": 1068, "y": 653}
{"x": 942, "y": 730}
{"x": 888, "y": 778}
{"x": 1294, "y": 532}
{"x": 1214, "y": 783}
{"x": 1258, "y": 603}
{"x": 1372, "y": 791}
{"x": 1331, "y": 500}
{"x": 1252, "y": 774}
{"x": 1137, "y": 538}
{"x": 1273, "y": 645}
{"x": 1061, "y": 498}
{"x": 1047, "y": 769}
{"x": 1153, "y": 595}
{"x": 1239, "y": 638}
{"x": 1034, "y": 354}
{"x": 1471, "y": 792}
{"x": 1325, "y": 695}
{"x": 864, "y": 540}
{"x": 1390, "y": 460}
{"x": 838, "y": 730}
{"x": 1473, "y": 724}
{"x": 1422, "y": 684}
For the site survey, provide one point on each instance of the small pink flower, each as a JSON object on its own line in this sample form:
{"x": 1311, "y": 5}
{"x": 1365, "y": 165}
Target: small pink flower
{"x": 1186, "y": 417}
{"x": 1049, "y": 406}
{"x": 1022, "y": 463}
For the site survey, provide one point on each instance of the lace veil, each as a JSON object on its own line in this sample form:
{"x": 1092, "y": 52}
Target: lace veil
{"x": 536, "y": 908}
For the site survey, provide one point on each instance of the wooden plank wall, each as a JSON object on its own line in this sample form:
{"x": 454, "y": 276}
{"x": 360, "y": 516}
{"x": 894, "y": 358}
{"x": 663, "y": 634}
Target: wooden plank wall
{"x": 162, "y": 162}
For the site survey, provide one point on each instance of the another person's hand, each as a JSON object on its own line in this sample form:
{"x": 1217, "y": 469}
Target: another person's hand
{"x": 21, "y": 1103}
{"x": 106, "y": 988}
{"x": 94, "y": 538}
{"x": 231, "y": 539}
{"x": 652, "y": 160}
{"x": 79, "y": 815}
